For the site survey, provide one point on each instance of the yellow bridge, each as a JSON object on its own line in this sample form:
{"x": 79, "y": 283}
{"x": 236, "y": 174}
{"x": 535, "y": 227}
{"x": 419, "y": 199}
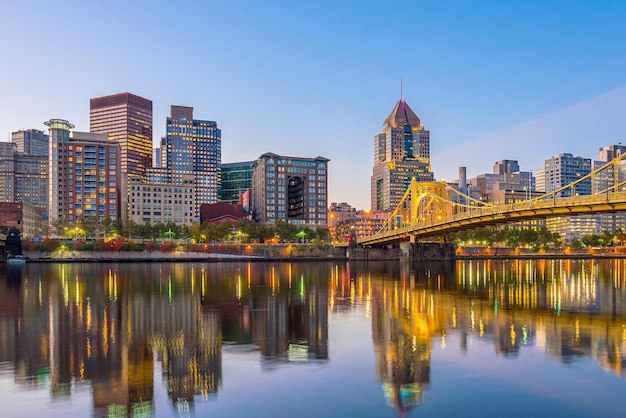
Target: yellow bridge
{"x": 434, "y": 209}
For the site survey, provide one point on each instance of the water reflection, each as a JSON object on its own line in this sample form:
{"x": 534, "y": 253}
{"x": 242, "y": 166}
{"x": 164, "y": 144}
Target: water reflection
{"x": 114, "y": 329}
{"x": 567, "y": 308}
{"x": 106, "y": 327}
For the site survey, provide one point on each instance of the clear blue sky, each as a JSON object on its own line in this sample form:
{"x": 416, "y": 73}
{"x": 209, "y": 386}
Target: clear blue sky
{"x": 491, "y": 80}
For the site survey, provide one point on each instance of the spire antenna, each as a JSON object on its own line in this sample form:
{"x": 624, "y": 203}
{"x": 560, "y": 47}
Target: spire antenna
{"x": 400, "y": 88}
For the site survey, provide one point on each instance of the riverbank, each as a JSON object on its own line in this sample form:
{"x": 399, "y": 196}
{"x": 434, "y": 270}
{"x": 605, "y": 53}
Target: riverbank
{"x": 245, "y": 253}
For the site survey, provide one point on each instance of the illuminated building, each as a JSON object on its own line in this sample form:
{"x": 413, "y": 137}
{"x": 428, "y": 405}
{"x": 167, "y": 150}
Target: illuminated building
{"x": 563, "y": 169}
{"x": 7, "y": 172}
{"x": 84, "y": 174}
{"x": 338, "y": 213}
{"x": 235, "y": 178}
{"x": 24, "y": 177}
{"x": 127, "y": 119}
{"x": 291, "y": 189}
{"x": 162, "y": 202}
{"x": 605, "y": 179}
{"x": 401, "y": 153}
{"x": 193, "y": 146}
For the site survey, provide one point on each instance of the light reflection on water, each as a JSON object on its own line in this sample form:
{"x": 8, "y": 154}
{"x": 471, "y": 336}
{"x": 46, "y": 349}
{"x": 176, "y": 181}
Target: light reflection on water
{"x": 324, "y": 339}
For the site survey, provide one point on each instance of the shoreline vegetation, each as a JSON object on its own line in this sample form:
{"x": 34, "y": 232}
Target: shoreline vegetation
{"x": 170, "y": 251}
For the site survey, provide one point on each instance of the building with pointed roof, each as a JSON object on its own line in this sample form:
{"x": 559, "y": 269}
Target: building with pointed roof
{"x": 401, "y": 152}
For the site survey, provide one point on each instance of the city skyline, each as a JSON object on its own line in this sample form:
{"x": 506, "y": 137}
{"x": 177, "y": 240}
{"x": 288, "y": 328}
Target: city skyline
{"x": 515, "y": 81}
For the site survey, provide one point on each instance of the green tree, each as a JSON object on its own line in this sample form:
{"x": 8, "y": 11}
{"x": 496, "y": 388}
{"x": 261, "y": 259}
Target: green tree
{"x": 285, "y": 231}
{"x": 107, "y": 226}
{"x": 576, "y": 243}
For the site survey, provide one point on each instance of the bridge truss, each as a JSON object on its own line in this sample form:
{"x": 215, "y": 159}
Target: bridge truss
{"x": 430, "y": 210}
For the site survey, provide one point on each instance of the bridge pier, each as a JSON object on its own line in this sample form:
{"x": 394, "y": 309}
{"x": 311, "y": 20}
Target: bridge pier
{"x": 428, "y": 250}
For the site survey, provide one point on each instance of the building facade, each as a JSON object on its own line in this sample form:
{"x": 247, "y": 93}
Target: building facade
{"x": 291, "y": 189}
{"x": 193, "y": 146}
{"x": 401, "y": 153}
{"x": 234, "y": 178}
{"x": 31, "y": 181}
{"x": 563, "y": 169}
{"x": 127, "y": 119}
{"x": 84, "y": 175}
{"x": 162, "y": 202}
{"x": 7, "y": 172}
{"x": 31, "y": 142}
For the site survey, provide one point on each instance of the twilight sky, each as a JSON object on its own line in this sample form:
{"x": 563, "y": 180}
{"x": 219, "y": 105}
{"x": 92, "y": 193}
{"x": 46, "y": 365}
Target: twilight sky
{"x": 491, "y": 80}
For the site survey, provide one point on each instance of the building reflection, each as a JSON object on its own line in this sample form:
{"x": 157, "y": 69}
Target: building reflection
{"x": 64, "y": 326}
{"x": 117, "y": 330}
{"x": 568, "y": 308}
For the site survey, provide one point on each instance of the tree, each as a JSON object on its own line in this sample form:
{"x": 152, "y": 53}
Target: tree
{"x": 576, "y": 243}
{"x": 107, "y": 226}
{"x": 285, "y": 231}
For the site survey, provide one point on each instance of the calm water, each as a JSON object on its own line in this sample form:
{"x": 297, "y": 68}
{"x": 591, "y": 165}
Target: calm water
{"x": 471, "y": 338}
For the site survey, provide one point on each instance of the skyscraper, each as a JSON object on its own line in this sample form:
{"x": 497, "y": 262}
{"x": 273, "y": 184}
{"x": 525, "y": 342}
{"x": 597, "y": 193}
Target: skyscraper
{"x": 193, "y": 146}
{"x": 127, "y": 118}
{"x": 31, "y": 142}
{"x": 401, "y": 153}
{"x": 84, "y": 175}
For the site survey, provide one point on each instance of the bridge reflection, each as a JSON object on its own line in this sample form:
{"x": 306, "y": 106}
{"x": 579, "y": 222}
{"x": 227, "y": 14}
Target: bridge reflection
{"x": 65, "y": 327}
{"x": 568, "y": 308}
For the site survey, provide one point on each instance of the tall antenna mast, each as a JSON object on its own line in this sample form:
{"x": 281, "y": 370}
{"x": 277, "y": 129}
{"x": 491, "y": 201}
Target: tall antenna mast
{"x": 400, "y": 88}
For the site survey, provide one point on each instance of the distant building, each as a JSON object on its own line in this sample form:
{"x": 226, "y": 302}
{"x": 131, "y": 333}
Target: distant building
{"x": 23, "y": 177}
{"x": 156, "y": 157}
{"x": 610, "y": 152}
{"x": 401, "y": 153}
{"x": 162, "y": 202}
{"x": 560, "y": 171}
{"x": 292, "y": 189}
{"x": 234, "y": 178}
{"x": 7, "y": 172}
{"x": 563, "y": 169}
{"x": 127, "y": 119}
{"x": 540, "y": 179}
{"x": 338, "y": 213}
{"x": 24, "y": 216}
{"x": 31, "y": 142}
{"x": 84, "y": 174}
{"x": 193, "y": 146}
{"x": 507, "y": 184}
{"x": 223, "y": 212}
{"x": 605, "y": 181}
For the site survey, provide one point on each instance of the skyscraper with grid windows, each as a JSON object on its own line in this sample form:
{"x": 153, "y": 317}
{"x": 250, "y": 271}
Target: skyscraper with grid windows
{"x": 127, "y": 119}
{"x": 193, "y": 146}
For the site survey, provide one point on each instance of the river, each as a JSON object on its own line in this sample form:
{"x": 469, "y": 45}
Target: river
{"x": 479, "y": 338}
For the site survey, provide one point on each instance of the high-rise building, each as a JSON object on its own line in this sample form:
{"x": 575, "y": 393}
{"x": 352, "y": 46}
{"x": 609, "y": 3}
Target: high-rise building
{"x": 23, "y": 177}
{"x": 7, "y": 172}
{"x": 84, "y": 174}
{"x": 31, "y": 142}
{"x": 401, "y": 153}
{"x": 127, "y": 119}
{"x": 31, "y": 181}
{"x": 234, "y": 179}
{"x": 563, "y": 169}
{"x": 292, "y": 189}
{"x": 193, "y": 146}
{"x": 605, "y": 181}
